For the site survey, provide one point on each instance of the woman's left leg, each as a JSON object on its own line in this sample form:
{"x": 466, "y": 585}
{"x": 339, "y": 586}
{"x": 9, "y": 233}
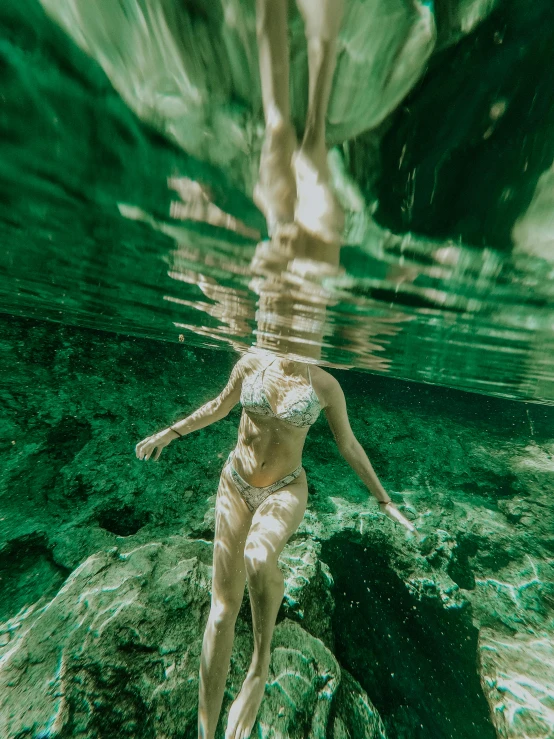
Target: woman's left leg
{"x": 273, "y": 524}
{"x": 275, "y": 191}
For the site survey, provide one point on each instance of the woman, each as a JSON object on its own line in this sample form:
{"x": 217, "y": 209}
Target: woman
{"x": 260, "y": 503}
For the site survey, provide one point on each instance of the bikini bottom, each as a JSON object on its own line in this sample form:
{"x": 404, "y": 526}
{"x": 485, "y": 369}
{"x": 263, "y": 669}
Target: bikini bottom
{"x": 253, "y": 496}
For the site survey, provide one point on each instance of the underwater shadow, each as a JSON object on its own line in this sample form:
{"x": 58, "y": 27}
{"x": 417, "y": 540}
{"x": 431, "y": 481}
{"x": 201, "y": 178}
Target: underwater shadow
{"x": 416, "y": 660}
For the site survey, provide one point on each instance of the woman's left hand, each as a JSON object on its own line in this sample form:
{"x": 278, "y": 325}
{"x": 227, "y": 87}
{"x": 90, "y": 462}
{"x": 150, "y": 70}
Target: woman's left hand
{"x": 392, "y": 512}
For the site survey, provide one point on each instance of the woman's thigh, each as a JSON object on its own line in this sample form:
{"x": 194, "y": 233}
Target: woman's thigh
{"x": 274, "y": 522}
{"x": 232, "y": 522}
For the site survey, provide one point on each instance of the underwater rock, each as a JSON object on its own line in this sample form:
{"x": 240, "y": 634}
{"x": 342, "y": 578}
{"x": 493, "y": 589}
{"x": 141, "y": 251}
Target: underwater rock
{"x": 457, "y": 19}
{"x": 355, "y": 716}
{"x": 308, "y": 584}
{"x": 117, "y": 651}
{"x": 517, "y": 673}
{"x": 533, "y": 233}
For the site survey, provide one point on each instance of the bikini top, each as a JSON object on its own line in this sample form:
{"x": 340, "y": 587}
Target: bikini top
{"x": 302, "y": 411}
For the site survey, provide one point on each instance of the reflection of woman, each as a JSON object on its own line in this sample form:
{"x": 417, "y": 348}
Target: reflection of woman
{"x": 294, "y": 182}
{"x": 260, "y": 502}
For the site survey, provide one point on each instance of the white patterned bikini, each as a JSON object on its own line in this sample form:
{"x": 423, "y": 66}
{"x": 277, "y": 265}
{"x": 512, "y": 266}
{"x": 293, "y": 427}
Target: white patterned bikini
{"x": 301, "y": 413}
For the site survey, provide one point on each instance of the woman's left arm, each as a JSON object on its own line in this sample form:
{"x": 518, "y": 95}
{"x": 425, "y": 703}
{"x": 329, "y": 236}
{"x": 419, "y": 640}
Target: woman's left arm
{"x": 352, "y": 451}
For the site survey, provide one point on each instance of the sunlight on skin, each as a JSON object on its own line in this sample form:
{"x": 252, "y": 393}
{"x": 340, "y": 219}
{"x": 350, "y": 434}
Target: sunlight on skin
{"x": 271, "y": 526}
{"x": 291, "y": 322}
{"x": 291, "y": 315}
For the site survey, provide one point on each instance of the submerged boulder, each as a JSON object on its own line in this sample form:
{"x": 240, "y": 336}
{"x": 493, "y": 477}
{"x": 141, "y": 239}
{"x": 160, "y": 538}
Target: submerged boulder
{"x": 517, "y": 673}
{"x": 116, "y": 652}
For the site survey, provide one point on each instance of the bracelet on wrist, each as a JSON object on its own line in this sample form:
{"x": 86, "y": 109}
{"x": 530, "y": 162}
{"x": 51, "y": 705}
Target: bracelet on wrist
{"x": 175, "y": 431}
{"x": 385, "y": 501}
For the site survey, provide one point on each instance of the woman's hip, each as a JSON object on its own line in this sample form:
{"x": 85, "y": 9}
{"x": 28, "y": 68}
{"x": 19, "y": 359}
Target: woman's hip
{"x": 253, "y": 495}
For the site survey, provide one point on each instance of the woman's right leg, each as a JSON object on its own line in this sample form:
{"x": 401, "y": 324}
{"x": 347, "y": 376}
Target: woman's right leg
{"x": 273, "y": 54}
{"x": 322, "y": 22}
{"x": 232, "y": 523}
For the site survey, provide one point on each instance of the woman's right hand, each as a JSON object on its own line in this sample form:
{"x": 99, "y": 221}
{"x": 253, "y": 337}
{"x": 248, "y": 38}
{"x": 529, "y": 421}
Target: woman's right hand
{"x": 392, "y": 512}
{"x": 158, "y": 441}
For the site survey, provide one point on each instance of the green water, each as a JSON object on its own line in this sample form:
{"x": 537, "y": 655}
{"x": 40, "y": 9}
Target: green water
{"x": 117, "y": 317}
{"x": 88, "y": 238}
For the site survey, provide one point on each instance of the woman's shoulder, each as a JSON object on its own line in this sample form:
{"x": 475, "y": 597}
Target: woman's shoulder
{"x": 247, "y": 363}
{"x": 322, "y": 376}
{"x": 325, "y": 384}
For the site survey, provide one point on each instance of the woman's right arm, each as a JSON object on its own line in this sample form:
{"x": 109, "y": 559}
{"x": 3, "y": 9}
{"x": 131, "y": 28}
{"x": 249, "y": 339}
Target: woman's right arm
{"x": 209, "y": 413}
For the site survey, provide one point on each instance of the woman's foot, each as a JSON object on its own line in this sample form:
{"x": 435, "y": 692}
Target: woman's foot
{"x": 275, "y": 191}
{"x": 246, "y": 705}
{"x": 317, "y": 209}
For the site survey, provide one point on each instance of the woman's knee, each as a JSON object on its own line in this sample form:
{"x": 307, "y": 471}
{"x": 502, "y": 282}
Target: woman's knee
{"x": 225, "y": 611}
{"x": 260, "y": 562}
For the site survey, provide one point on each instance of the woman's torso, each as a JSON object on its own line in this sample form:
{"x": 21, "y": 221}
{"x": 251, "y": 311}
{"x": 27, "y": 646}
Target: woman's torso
{"x": 277, "y": 413}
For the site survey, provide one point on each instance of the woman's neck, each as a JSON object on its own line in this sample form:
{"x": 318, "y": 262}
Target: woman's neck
{"x": 286, "y": 366}
{"x": 291, "y": 367}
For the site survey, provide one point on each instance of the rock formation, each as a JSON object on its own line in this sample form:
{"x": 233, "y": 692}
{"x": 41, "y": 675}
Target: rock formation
{"x": 117, "y": 650}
